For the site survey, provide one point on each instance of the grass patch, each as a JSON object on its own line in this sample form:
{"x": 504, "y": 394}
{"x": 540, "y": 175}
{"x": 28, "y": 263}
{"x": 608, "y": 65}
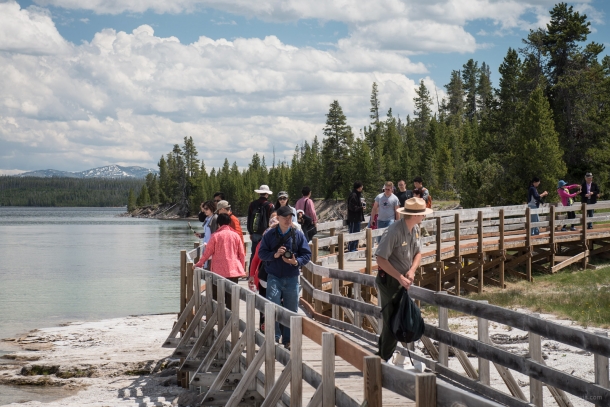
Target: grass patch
{"x": 582, "y": 296}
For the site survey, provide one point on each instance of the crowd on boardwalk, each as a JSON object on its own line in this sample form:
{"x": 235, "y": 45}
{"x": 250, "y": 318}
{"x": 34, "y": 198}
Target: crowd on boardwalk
{"x": 280, "y": 235}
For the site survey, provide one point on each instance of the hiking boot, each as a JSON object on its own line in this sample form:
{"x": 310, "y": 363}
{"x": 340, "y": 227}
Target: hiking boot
{"x": 287, "y": 345}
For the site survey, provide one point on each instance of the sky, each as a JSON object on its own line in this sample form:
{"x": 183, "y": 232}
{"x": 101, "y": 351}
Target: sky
{"x": 90, "y": 83}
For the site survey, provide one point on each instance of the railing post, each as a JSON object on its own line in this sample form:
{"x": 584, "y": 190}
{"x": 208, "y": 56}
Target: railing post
{"x": 341, "y": 253}
{"x": 369, "y": 251}
{"x": 251, "y": 327}
{"x": 501, "y": 246}
{"x": 372, "y": 381}
{"x": 220, "y": 298}
{"x": 535, "y": 353}
{"x": 480, "y": 249}
{"x": 314, "y": 252}
{"x": 584, "y": 233}
{"x": 601, "y": 366}
{"x": 235, "y": 320}
{"x": 338, "y": 314}
{"x": 182, "y": 281}
{"x": 528, "y": 243}
{"x": 328, "y": 369}
{"x": 296, "y": 358}
{"x": 269, "y": 347}
{"x": 483, "y": 336}
{"x": 197, "y": 245}
{"x": 552, "y": 236}
{"x": 458, "y": 260}
{"x": 190, "y": 279}
{"x": 331, "y": 247}
{"x": 209, "y": 294}
{"x": 443, "y": 348}
{"x": 425, "y": 390}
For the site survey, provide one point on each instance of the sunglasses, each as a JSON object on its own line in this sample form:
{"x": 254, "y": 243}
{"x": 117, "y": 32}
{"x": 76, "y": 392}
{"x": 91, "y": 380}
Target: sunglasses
{"x": 283, "y": 198}
{"x": 217, "y": 200}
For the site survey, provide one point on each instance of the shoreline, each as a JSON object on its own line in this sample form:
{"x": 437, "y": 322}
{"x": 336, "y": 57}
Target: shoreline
{"x": 116, "y": 361}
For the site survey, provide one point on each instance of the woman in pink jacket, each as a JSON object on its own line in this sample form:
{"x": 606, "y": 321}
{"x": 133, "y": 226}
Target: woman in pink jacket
{"x": 227, "y": 252}
{"x": 563, "y": 190}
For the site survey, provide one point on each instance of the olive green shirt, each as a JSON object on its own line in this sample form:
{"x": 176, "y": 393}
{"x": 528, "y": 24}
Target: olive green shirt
{"x": 399, "y": 246}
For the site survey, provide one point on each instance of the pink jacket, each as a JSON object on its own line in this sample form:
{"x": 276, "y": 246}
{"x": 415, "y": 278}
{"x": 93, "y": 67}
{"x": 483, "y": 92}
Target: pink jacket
{"x": 308, "y": 208}
{"x": 565, "y": 196}
{"x": 227, "y": 252}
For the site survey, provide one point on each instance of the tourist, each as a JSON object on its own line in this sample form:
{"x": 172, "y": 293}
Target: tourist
{"x": 224, "y": 207}
{"x": 227, "y": 252}
{"x": 355, "y": 214}
{"x": 209, "y": 219}
{"x": 418, "y": 193}
{"x": 589, "y": 194}
{"x": 307, "y": 206}
{"x": 282, "y": 200}
{"x": 259, "y": 213}
{"x": 533, "y": 202}
{"x": 403, "y": 193}
{"x": 418, "y": 183}
{"x": 258, "y": 275}
{"x": 284, "y": 250}
{"x": 386, "y": 206}
{"x": 398, "y": 257}
{"x": 563, "y": 190}
{"x": 305, "y": 223}
{"x": 219, "y": 196}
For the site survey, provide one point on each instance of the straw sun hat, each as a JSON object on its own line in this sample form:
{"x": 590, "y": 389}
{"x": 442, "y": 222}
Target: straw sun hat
{"x": 415, "y": 206}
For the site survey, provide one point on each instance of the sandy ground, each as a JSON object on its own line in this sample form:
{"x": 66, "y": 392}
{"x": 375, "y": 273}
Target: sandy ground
{"x": 120, "y": 362}
{"x": 115, "y": 362}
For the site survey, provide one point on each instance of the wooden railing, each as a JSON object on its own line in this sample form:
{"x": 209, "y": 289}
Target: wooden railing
{"x": 213, "y": 362}
{"x": 531, "y": 365}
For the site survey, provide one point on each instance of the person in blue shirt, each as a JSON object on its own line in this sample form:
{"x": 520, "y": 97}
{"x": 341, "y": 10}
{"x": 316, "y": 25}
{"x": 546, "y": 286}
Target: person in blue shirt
{"x": 284, "y": 251}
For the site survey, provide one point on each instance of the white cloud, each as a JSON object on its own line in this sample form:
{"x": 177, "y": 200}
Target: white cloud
{"x": 11, "y": 172}
{"x": 128, "y": 97}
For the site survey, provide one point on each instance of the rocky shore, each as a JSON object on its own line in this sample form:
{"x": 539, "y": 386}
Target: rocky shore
{"x": 115, "y": 362}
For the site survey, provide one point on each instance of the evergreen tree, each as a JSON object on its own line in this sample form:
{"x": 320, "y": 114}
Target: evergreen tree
{"x": 455, "y": 94}
{"x": 143, "y": 198}
{"x": 422, "y": 113}
{"x": 484, "y": 90}
{"x": 470, "y": 78}
{"x": 335, "y": 150}
{"x": 131, "y": 201}
{"x": 153, "y": 187}
{"x": 165, "y": 194}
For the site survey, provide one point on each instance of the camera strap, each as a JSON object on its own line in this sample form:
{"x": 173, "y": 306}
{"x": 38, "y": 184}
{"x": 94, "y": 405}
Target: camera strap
{"x": 284, "y": 239}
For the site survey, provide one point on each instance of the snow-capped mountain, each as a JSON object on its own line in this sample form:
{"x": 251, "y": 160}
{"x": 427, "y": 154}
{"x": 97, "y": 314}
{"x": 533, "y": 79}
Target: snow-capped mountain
{"x": 108, "y": 171}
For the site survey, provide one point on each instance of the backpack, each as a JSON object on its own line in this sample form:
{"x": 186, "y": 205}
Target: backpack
{"x": 570, "y": 200}
{"x": 260, "y": 220}
{"x": 406, "y": 322}
{"x": 429, "y": 200}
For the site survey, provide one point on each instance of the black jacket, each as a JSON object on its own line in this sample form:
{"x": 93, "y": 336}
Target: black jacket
{"x": 355, "y": 212}
{"x": 595, "y": 193}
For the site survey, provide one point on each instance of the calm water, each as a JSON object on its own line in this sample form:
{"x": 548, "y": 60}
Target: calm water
{"x": 67, "y": 264}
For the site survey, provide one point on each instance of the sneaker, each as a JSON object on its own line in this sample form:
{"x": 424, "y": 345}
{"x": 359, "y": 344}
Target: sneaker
{"x": 573, "y": 229}
{"x": 590, "y": 227}
{"x": 563, "y": 229}
{"x": 287, "y": 345}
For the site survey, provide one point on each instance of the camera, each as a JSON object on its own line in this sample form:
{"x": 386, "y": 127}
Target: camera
{"x": 288, "y": 254}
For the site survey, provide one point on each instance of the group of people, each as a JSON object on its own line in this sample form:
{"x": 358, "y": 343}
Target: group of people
{"x": 279, "y": 234}
{"x": 588, "y": 191}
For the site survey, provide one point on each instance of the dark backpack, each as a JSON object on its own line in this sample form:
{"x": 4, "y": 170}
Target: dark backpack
{"x": 406, "y": 322}
{"x": 260, "y": 218}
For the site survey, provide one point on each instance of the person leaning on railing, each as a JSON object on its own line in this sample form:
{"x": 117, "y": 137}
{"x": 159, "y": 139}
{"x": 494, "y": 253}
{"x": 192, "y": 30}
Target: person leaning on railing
{"x": 398, "y": 257}
{"x": 284, "y": 251}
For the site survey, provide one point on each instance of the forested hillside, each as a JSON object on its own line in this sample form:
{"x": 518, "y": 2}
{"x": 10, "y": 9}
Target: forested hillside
{"x": 94, "y": 192}
{"x": 549, "y": 117}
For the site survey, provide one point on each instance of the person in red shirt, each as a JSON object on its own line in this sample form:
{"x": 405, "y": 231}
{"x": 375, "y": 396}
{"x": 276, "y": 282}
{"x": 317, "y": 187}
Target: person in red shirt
{"x": 227, "y": 252}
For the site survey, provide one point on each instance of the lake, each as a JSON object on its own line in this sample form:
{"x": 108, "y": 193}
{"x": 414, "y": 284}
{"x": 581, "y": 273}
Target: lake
{"x": 67, "y": 264}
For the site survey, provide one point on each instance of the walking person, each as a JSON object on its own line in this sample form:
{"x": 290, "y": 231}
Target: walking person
{"x": 227, "y": 252}
{"x": 282, "y": 200}
{"x": 259, "y": 213}
{"x": 355, "y": 213}
{"x": 563, "y": 190}
{"x": 403, "y": 193}
{"x": 418, "y": 183}
{"x": 307, "y": 206}
{"x": 398, "y": 257}
{"x": 209, "y": 219}
{"x": 304, "y": 222}
{"x": 284, "y": 250}
{"x": 589, "y": 194}
{"x": 258, "y": 275}
{"x": 385, "y": 207}
{"x": 534, "y": 199}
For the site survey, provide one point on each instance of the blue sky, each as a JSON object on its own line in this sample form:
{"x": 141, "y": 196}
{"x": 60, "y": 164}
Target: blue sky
{"x": 107, "y": 82}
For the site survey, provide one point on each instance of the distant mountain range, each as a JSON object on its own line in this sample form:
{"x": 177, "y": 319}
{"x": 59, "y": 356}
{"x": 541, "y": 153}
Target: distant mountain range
{"x": 108, "y": 171}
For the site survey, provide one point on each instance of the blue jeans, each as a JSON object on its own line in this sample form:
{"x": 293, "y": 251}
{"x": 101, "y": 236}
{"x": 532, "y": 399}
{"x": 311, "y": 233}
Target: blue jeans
{"x": 534, "y": 218}
{"x": 354, "y": 227}
{"x": 590, "y": 215}
{"x": 287, "y": 289}
{"x": 382, "y": 224}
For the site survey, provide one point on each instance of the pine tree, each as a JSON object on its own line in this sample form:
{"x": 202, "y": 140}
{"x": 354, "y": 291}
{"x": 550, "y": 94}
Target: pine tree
{"x": 455, "y": 94}
{"x": 335, "y": 150}
{"x": 131, "y": 201}
{"x": 470, "y": 78}
{"x": 422, "y": 113}
{"x": 164, "y": 182}
{"x": 153, "y": 187}
{"x": 484, "y": 90}
{"x": 143, "y": 198}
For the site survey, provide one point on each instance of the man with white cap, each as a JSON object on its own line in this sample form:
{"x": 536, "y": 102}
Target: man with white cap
{"x": 398, "y": 257}
{"x": 259, "y": 212}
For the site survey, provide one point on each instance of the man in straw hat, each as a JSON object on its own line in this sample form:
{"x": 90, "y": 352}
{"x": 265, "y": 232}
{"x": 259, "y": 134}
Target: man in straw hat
{"x": 398, "y": 256}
